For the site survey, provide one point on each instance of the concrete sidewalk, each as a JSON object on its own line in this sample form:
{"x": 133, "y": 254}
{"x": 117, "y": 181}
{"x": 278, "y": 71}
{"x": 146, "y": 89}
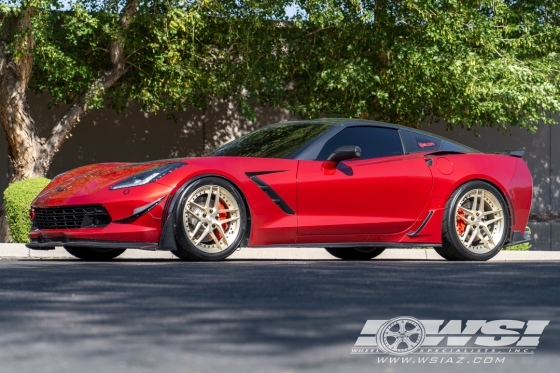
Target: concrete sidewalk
{"x": 19, "y": 251}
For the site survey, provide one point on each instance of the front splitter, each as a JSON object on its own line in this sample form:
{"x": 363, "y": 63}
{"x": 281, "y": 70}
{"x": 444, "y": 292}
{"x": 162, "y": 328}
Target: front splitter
{"x": 51, "y": 244}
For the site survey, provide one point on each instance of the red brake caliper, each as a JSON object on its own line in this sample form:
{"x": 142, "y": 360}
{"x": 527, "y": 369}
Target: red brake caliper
{"x": 461, "y": 225}
{"x": 223, "y": 216}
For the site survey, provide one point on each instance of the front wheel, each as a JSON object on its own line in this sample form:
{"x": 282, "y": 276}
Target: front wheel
{"x": 93, "y": 254}
{"x": 476, "y": 223}
{"x": 355, "y": 253}
{"x": 211, "y": 220}
{"x": 444, "y": 254}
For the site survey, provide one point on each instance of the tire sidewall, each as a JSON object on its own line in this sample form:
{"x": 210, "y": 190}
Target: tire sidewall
{"x": 184, "y": 243}
{"x": 450, "y": 218}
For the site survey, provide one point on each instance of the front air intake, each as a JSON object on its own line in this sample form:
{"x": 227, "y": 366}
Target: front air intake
{"x": 70, "y": 217}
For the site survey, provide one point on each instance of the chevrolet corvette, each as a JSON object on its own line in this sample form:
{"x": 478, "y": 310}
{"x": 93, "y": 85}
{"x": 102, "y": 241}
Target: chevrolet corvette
{"x": 354, "y": 187}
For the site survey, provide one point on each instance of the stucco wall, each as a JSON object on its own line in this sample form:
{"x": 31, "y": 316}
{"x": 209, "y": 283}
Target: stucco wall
{"x": 104, "y": 135}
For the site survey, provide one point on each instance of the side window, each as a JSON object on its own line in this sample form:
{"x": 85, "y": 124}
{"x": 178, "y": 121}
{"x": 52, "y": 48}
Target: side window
{"x": 375, "y": 142}
{"x": 415, "y": 142}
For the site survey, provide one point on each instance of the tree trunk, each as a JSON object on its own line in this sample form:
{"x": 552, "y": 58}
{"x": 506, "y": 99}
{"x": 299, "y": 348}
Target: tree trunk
{"x": 25, "y": 147}
{"x": 4, "y": 227}
{"x": 32, "y": 155}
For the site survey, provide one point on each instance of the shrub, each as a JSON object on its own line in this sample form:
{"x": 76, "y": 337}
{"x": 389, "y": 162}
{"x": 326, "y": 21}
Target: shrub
{"x": 520, "y": 247}
{"x": 17, "y": 198}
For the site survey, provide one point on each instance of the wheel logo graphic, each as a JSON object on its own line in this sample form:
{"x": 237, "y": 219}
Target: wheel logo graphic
{"x": 401, "y": 336}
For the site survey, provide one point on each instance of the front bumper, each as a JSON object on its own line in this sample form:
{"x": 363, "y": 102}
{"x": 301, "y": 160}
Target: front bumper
{"x": 138, "y": 225}
{"x": 113, "y": 235}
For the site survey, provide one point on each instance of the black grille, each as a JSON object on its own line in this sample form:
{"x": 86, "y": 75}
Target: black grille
{"x": 71, "y": 217}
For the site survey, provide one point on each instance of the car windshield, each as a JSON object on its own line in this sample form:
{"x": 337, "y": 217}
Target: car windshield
{"x": 282, "y": 140}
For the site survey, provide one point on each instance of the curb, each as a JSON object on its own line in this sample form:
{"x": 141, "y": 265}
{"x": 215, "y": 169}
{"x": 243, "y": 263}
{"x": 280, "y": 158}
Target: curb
{"x": 19, "y": 251}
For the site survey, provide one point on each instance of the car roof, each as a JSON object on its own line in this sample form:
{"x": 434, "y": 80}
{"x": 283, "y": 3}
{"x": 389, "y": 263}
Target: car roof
{"x": 349, "y": 122}
{"x": 346, "y": 122}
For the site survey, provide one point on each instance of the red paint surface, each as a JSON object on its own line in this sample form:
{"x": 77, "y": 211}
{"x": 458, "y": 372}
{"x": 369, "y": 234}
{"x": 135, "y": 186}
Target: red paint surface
{"x": 362, "y": 196}
{"x": 444, "y": 166}
{"x": 374, "y": 200}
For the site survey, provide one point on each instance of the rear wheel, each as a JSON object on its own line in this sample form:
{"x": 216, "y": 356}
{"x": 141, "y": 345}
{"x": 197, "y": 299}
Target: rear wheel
{"x": 476, "y": 223}
{"x": 355, "y": 253}
{"x": 211, "y": 220}
{"x": 93, "y": 254}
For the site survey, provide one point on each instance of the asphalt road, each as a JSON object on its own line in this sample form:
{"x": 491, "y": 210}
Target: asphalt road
{"x": 254, "y": 316}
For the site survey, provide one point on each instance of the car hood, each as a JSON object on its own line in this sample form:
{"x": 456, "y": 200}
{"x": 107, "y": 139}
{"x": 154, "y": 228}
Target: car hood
{"x": 92, "y": 178}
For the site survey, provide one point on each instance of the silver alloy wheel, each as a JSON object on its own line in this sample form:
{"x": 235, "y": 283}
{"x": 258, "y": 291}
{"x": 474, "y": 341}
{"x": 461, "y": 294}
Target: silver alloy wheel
{"x": 211, "y": 218}
{"x": 400, "y": 336}
{"x": 479, "y": 221}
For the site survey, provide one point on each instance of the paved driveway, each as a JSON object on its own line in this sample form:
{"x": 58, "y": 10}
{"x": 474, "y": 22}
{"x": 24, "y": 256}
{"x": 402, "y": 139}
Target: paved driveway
{"x": 253, "y": 316}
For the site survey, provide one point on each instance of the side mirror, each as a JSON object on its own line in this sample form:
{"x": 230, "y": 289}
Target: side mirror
{"x": 345, "y": 152}
{"x": 341, "y": 154}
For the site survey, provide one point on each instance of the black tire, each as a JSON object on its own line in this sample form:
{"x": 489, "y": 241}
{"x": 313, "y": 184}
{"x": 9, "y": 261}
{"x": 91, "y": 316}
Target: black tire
{"x": 187, "y": 250}
{"x": 180, "y": 256}
{"x": 93, "y": 254}
{"x": 443, "y": 253}
{"x": 355, "y": 253}
{"x": 452, "y": 247}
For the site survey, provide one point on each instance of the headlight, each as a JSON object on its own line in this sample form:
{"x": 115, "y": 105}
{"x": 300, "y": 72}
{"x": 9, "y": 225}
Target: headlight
{"x": 148, "y": 176}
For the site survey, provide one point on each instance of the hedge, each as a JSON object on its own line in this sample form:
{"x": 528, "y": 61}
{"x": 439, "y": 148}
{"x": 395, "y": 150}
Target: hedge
{"x": 17, "y": 199}
{"x": 521, "y": 247}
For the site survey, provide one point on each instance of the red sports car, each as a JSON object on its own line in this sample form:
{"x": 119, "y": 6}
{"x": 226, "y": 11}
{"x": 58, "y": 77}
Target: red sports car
{"x": 352, "y": 186}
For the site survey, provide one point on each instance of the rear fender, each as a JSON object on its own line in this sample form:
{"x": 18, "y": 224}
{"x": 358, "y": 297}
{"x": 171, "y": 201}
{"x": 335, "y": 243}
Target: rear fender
{"x": 497, "y": 170}
{"x": 520, "y": 191}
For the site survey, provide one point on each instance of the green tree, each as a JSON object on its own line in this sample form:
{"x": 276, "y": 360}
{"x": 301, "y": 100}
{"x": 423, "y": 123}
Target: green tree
{"x": 166, "y": 54}
{"x": 470, "y": 62}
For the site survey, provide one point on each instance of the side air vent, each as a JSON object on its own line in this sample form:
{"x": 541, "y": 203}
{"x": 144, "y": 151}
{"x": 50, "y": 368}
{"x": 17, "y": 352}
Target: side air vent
{"x": 269, "y": 191}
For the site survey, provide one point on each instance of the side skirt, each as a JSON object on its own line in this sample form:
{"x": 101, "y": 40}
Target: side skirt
{"x": 399, "y": 245}
{"x": 415, "y": 233}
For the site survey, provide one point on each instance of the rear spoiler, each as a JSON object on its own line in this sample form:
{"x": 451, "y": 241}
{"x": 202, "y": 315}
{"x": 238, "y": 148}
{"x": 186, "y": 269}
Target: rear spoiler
{"x": 513, "y": 153}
